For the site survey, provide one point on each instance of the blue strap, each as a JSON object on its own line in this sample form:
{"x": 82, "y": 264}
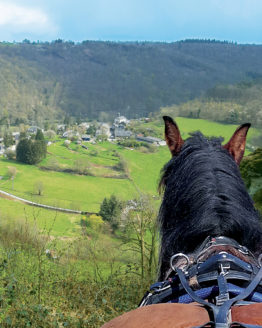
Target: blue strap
{"x": 220, "y": 312}
{"x": 225, "y": 307}
{"x": 213, "y": 291}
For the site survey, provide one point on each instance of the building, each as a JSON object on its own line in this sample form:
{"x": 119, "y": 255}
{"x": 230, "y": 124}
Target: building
{"x": 61, "y": 127}
{"x": 70, "y": 134}
{"x": 2, "y": 149}
{"x": 120, "y": 132}
{"x": 16, "y": 136}
{"x": 85, "y": 137}
{"x": 121, "y": 120}
{"x": 152, "y": 140}
{"x": 104, "y": 129}
{"x": 84, "y": 125}
{"x": 33, "y": 129}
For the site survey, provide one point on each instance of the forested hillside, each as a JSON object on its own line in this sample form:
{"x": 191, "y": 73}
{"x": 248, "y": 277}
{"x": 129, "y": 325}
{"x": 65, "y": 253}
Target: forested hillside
{"x": 41, "y": 80}
{"x": 235, "y": 104}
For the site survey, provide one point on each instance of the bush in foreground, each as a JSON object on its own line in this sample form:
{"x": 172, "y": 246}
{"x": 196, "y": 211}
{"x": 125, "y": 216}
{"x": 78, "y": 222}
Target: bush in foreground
{"x": 71, "y": 291}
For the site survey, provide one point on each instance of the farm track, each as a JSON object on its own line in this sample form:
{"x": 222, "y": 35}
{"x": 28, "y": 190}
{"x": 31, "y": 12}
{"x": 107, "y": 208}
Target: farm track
{"x": 9, "y": 196}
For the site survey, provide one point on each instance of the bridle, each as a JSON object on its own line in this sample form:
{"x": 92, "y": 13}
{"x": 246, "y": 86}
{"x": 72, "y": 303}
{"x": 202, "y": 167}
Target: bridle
{"x": 219, "y": 269}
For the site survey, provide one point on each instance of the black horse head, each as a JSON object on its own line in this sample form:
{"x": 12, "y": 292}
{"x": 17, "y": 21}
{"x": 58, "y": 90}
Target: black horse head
{"x": 204, "y": 194}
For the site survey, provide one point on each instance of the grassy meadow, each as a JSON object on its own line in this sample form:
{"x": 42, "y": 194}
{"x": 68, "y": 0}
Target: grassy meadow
{"x": 63, "y": 188}
{"x": 95, "y": 273}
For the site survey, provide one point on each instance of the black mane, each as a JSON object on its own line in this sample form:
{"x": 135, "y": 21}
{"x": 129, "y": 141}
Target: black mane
{"x": 204, "y": 195}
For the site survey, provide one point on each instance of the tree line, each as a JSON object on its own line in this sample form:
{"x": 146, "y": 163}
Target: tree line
{"x": 234, "y": 104}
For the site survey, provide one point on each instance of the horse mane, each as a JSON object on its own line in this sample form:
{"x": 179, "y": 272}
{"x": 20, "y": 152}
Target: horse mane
{"x": 204, "y": 195}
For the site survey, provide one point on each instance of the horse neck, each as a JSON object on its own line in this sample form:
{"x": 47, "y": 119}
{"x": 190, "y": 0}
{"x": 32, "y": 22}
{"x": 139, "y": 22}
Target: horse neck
{"x": 205, "y": 195}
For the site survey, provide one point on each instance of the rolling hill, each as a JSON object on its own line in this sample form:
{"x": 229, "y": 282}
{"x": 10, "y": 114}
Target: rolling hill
{"x": 97, "y": 79}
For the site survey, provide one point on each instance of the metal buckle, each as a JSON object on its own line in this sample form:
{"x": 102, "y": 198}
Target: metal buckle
{"x": 260, "y": 260}
{"x": 176, "y": 256}
{"x": 224, "y": 267}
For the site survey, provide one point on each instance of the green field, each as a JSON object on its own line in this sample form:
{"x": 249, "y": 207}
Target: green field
{"x": 97, "y": 273}
{"x": 84, "y": 192}
{"x": 208, "y": 128}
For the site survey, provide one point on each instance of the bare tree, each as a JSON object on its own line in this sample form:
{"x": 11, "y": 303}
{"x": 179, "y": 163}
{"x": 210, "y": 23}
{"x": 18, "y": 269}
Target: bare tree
{"x": 39, "y": 187}
{"x": 11, "y": 173}
{"x": 141, "y": 234}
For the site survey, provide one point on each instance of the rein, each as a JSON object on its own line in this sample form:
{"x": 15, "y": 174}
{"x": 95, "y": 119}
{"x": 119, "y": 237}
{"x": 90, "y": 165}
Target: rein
{"x": 219, "y": 269}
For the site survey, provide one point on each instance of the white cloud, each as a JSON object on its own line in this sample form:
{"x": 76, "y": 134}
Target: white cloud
{"x": 15, "y": 17}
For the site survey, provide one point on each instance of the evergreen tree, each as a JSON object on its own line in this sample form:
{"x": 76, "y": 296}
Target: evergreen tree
{"x": 30, "y": 151}
{"x": 110, "y": 211}
{"x": 24, "y": 151}
{"x": 39, "y": 135}
{"x": 22, "y": 135}
{"x": 8, "y": 139}
{"x": 41, "y": 144}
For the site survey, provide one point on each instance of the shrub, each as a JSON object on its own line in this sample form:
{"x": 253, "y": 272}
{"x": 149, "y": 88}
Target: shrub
{"x": 39, "y": 187}
{"x": 53, "y": 164}
{"x": 50, "y": 134}
{"x": 93, "y": 152}
{"x": 81, "y": 166}
{"x": 95, "y": 222}
{"x": 8, "y": 139}
{"x": 10, "y": 154}
{"x": 110, "y": 211}
{"x": 11, "y": 173}
{"x": 67, "y": 143}
{"x": 122, "y": 165}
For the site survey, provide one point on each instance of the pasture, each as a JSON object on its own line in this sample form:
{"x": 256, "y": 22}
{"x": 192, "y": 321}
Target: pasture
{"x": 97, "y": 275}
{"x": 62, "y": 187}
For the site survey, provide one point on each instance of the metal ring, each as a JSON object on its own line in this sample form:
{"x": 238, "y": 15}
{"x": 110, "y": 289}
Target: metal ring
{"x": 179, "y": 255}
{"x": 260, "y": 260}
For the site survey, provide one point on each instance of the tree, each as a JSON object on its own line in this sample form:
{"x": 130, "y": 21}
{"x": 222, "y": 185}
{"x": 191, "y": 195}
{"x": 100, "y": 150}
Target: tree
{"x": 8, "y": 139}
{"x": 50, "y": 134}
{"x": 24, "y": 151}
{"x": 39, "y": 187}
{"x": 22, "y": 135}
{"x": 251, "y": 167}
{"x": 91, "y": 130}
{"x": 141, "y": 234}
{"x": 11, "y": 173}
{"x": 251, "y": 172}
{"x": 30, "y": 151}
{"x": 110, "y": 211}
{"x": 41, "y": 144}
{"x": 39, "y": 135}
{"x": 81, "y": 166}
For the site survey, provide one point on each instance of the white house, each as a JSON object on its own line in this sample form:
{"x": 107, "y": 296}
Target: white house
{"x": 121, "y": 120}
{"x": 104, "y": 128}
{"x": 33, "y": 129}
{"x": 84, "y": 125}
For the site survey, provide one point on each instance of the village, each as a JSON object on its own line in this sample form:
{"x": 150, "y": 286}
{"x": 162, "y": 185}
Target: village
{"x": 82, "y": 132}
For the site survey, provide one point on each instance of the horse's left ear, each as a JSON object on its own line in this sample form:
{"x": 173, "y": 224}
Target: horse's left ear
{"x": 237, "y": 143}
{"x": 173, "y": 136}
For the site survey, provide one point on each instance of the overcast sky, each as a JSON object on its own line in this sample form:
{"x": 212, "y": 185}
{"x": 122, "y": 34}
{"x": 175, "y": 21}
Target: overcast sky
{"x": 119, "y": 20}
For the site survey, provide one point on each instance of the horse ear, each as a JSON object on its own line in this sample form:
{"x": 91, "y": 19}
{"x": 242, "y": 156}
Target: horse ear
{"x": 172, "y": 135}
{"x": 237, "y": 143}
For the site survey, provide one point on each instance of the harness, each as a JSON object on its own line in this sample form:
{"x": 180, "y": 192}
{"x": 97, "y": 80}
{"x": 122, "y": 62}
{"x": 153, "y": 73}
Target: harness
{"x": 220, "y": 274}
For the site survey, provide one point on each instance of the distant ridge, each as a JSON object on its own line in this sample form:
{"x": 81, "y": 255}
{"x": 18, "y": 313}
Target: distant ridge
{"x": 40, "y": 80}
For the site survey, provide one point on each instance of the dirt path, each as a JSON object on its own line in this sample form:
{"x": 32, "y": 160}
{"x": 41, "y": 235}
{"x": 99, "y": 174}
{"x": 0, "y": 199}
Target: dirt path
{"x": 9, "y": 196}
